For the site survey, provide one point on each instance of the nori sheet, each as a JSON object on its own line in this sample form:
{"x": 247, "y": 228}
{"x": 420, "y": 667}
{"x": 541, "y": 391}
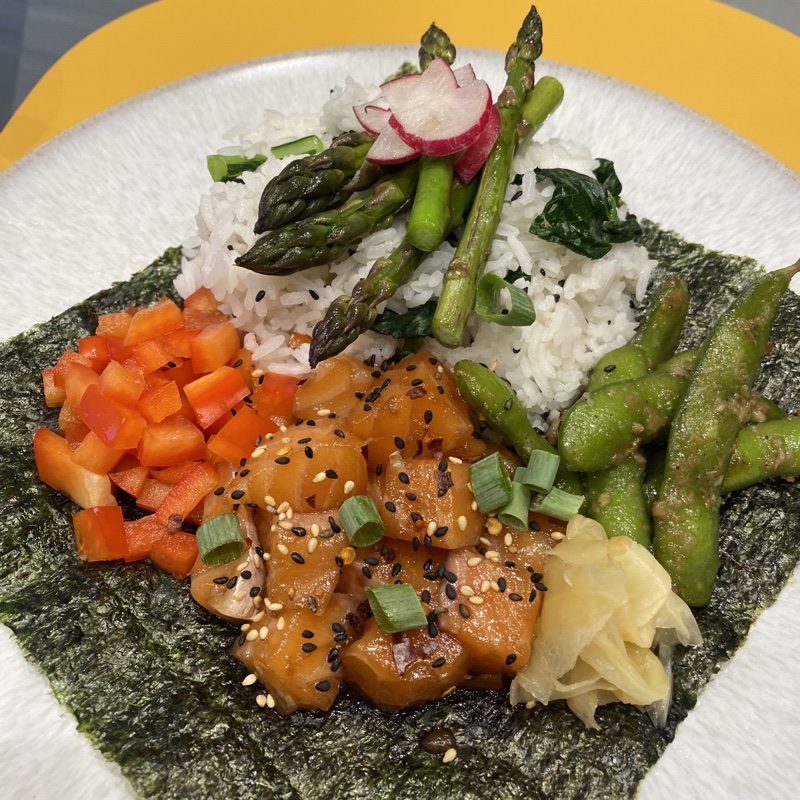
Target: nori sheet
{"x": 146, "y": 671}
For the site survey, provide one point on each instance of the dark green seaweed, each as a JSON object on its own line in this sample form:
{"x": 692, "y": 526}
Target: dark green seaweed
{"x": 147, "y": 674}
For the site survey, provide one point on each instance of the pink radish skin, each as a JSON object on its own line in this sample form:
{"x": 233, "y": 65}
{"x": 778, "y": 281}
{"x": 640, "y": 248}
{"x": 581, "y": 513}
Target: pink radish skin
{"x": 389, "y": 148}
{"x": 373, "y": 118}
{"x": 474, "y": 157}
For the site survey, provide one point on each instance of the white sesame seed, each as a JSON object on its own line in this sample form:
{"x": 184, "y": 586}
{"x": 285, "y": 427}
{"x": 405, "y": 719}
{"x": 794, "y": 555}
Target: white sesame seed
{"x": 263, "y": 632}
{"x": 286, "y": 524}
{"x": 315, "y": 530}
{"x": 556, "y": 536}
{"x": 270, "y": 701}
{"x": 450, "y": 755}
{"x": 245, "y": 627}
{"x": 324, "y": 412}
{"x": 266, "y": 556}
{"x": 283, "y": 429}
{"x": 269, "y": 437}
{"x": 455, "y": 460}
{"x": 269, "y": 500}
{"x": 281, "y": 623}
{"x": 252, "y": 635}
{"x": 513, "y": 550}
{"x": 290, "y": 513}
{"x": 312, "y": 544}
{"x": 485, "y": 586}
{"x": 240, "y": 567}
{"x": 349, "y": 486}
{"x": 530, "y": 704}
{"x": 290, "y": 592}
{"x": 493, "y": 366}
{"x": 318, "y": 478}
{"x": 474, "y": 561}
{"x": 282, "y": 516}
{"x": 467, "y": 591}
{"x": 484, "y": 540}
{"x": 283, "y": 507}
{"x": 239, "y": 595}
{"x": 257, "y": 600}
{"x": 432, "y": 526}
{"x": 275, "y": 607}
{"x": 258, "y": 452}
{"x": 476, "y": 600}
{"x": 261, "y": 700}
{"x": 492, "y": 554}
{"x": 256, "y": 373}
{"x": 258, "y": 617}
{"x": 473, "y": 505}
{"x": 249, "y": 679}
{"x": 495, "y": 586}
{"x": 283, "y": 549}
{"x": 286, "y": 440}
{"x": 257, "y": 561}
{"x": 462, "y": 523}
{"x": 508, "y": 540}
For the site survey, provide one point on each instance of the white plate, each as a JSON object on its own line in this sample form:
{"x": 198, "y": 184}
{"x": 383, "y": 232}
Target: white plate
{"x": 108, "y": 196}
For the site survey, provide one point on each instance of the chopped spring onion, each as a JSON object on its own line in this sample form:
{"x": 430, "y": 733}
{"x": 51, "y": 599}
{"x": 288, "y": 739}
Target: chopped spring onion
{"x": 396, "y": 607}
{"x": 361, "y": 521}
{"x": 220, "y": 540}
{"x": 493, "y": 296}
{"x": 308, "y": 145}
{"x": 559, "y": 504}
{"x": 226, "y": 168}
{"x": 540, "y": 474}
{"x": 515, "y": 514}
{"x": 490, "y": 483}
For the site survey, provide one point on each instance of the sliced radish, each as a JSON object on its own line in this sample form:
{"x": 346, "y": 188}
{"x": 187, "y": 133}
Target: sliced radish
{"x": 465, "y": 75}
{"x": 389, "y": 148}
{"x": 373, "y": 118}
{"x": 474, "y": 157}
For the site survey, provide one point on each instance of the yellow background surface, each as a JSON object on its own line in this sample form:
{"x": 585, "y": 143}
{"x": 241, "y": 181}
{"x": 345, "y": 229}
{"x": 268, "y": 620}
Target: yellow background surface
{"x": 730, "y": 66}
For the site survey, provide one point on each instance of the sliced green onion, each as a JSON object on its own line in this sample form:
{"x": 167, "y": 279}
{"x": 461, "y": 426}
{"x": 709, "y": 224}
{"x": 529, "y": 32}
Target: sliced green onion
{"x": 515, "y": 514}
{"x": 396, "y": 607}
{"x": 490, "y": 483}
{"x": 308, "y": 145}
{"x": 489, "y": 305}
{"x": 540, "y": 474}
{"x": 220, "y": 540}
{"x": 559, "y": 504}
{"x": 361, "y": 521}
{"x": 226, "y": 168}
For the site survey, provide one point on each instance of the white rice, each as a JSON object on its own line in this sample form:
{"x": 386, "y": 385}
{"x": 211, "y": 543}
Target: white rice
{"x": 583, "y": 307}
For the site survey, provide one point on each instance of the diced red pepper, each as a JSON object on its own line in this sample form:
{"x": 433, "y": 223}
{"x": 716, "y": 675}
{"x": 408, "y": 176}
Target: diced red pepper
{"x": 182, "y": 374}
{"x": 220, "y": 449}
{"x": 170, "y": 442}
{"x": 200, "y": 309}
{"x": 94, "y": 455}
{"x": 140, "y": 535}
{"x": 214, "y": 394}
{"x": 214, "y": 346}
{"x": 67, "y": 358}
{"x": 175, "y": 553}
{"x": 99, "y": 534}
{"x": 96, "y": 349}
{"x": 54, "y": 396}
{"x": 174, "y": 475}
{"x": 242, "y": 431}
{"x": 187, "y": 494}
{"x": 118, "y": 426}
{"x": 156, "y": 404}
{"x": 131, "y": 480}
{"x": 114, "y": 325}
{"x": 150, "y": 323}
{"x": 274, "y": 395}
{"x": 77, "y": 378}
{"x": 57, "y": 469}
{"x": 122, "y": 382}
{"x": 71, "y": 425}
{"x": 151, "y": 355}
{"x": 179, "y": 343}
{"x": 152, "y": 494}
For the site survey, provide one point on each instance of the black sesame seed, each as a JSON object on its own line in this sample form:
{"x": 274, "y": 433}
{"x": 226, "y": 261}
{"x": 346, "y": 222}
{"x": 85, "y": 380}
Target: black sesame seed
{"x": 219, "y": 490}
{"x": 299, "y": 530}
{"x": 339, "y": 432}
{"x": 222, "y": 579}
{"x": 334, "y": 527}
{"x": 307, "y": 634}
{"x": 282, "y": 460}
{"x": 231, "y": 582}
{"x": 433, "y": 631}
{"x": 397, "y": 568}
{"x": 335, "y": 665}
{"x": 511, "y": 564}
{"x": 440, "y": 531}
{"x": 237, "y": 495}
{"x": 609, "y": 367}
{"x": 390, "y": 506}
{"x": 238, "y": 363}
{"x": 450, "y": 577}
{"x": 501, "y": 582}
{"x": 464, "y": 610}
{"x": 514, "y": 596}
{"x": 417, "y": 382}
{"x": 367, "y": 572}
{"x": 411, "y": 496}
{"x": 260, "y": 296}
{"x": 323, "y": 686}
{"x": 442, "y": 465}
{"x": 440, "y": 662}
{"x": 372, "y": 561}
{"x": 333, "y": 653}
{"x": 403, "y": 478}
{"x": 510, "y": 659}
{"x": 241, "y": 640}
{"x": 428, "y": 416}
{"x": 311, "y": 423}
{"x": 306, "y": 440}
{"x": 536, "y": 576}
{"x": 260, "y": 551}
{"x": 450, "y": 591}
{"x": 330, "y": 473}
{"x": 399, "y": 443}
{"x": 540, "y": 587}
{"x": 427, "y": 541}
{"x": 534, "y": 525}
{"x": 532, "y": 596}
{"x": 425, "y": 596}
{"x": 308, "y": 647}
{"x": 433, "y": 361}
{"x": 508, "y": 403}
{"x": 442, "y": 492}
{"x": 313, "y": 294}
{"x": 428, "y": 565}
{"x": 246, "y": 574}
{"x": 340, "y": 637}
{"x": 255, "y": 591}
{"x": 378, "y": 470}
{"x": 367, "y": 407}
{"x": 440, "y": 389}
{"x": 244, "y": 473}
{"x": 516, "y": 195}
{"x": 172, "y": 364}
{"x": 416, "y": 517}
{"x": 430, "y": 575}
{"x": 415, "y": 540}
{"x": 309, "y": 452}
{"x": 411, "y": 367}
{"x": 337, "y": 627}
{"x": 298, "y": 559}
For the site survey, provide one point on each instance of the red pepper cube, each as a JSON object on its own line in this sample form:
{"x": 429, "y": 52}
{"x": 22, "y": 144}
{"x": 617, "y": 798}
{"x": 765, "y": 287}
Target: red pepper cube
{"x": 187, "y": 494}
{"x": 114, "y": 325}
{"x": 71, "y": 425}
{"x": 94, "y": 455}
{"x": 151, "y": 355}
{"x": 179, "y": 343}
{"x": 214, "y": 394}
{"x": 201, "y": 309}
{"x": 99, "y": 534}
{"x": 174, "y": 475}
{"x": 274, "y": 395}
{"x": 214, "y": 346}
{"x": 77, "y": 379}
{"x": 130, "y": 480}
{"x": 244, "y": 430}
{"x": 54, "y": 396}
{"x": 220, "y": 449}
{"x": 117, "y": 426}
{"x": 97, "y": 350}
{"x": 57, "y": 469}
{"x": 67, "y": 357}
{"x": 150, "y": 323}
{"x": 170, "y": 442}
{"x": 123, "y": 383}
{"x": 141, "y": 534}
{"x": 175, "y": 553}
{"x": 158, "y": 403}
{"x": 152, "y": 494}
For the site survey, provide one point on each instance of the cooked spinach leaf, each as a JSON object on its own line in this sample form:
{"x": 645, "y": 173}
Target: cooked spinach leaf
{"x": 140, "y": 664}
{"x": 583, "y": 212}
{"x": 413, "y": 323}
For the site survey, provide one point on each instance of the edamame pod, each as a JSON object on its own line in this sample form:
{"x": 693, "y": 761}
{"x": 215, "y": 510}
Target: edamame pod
{"x": 494, "y": 402}
{"x": 622, "y": 363}
{"x": 703, "y": 434}
{"x": 660, "y": 330}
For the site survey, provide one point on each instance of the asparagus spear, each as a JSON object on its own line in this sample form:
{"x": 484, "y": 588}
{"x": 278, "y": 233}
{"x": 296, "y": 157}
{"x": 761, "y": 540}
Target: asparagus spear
{"x": 458, "y": 291}
{"x": 349, "y": 316}
{"x": 325, "y": 237}
{"x": 435, "y": 42}
{"x": 319, "y": 182}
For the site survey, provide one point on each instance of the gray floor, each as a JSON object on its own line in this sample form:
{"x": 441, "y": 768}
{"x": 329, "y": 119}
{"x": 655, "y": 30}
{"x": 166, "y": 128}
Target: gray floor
{"x": 35, "y": 33}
